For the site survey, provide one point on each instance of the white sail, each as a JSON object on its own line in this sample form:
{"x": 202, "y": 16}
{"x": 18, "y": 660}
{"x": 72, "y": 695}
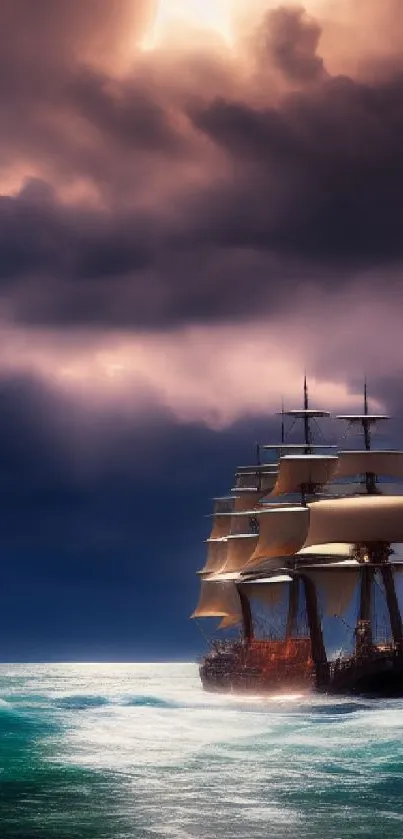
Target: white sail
{"x": 270, "y": 592}
{"x": 386, "y": 463}
{"x": 297, "y": 472}
{"x": 260, "y": 478}
{"x": 221, "y": 526}
{"x": 240, "y": 550}
{"x": 230, "y": 622}
{"x": 336, "y": 587}
{"x": 282, "y": 532}
{"x": 216, "y": 556}
{"x": 218, "y": 599}
{"x": 245, "y": 521}
{"x": 362, "y": 519}
{"x": 248, "y": 500}
{"x": 225, "y": 504}
{"x": 331, "y": 549}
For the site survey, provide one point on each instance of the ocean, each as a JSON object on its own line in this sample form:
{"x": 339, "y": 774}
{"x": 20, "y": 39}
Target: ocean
{"x": 139, "y": 751}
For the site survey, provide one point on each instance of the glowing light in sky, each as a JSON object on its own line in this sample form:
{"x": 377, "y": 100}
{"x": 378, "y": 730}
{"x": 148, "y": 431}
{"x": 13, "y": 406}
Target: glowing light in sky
{"x": 200, "y": 15}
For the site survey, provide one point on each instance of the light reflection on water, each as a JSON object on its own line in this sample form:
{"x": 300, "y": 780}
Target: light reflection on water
{"x": 127, "y": 751}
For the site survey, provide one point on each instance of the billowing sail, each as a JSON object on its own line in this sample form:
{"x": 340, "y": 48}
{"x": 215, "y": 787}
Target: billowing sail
{"x": 386, "y": 463}
{"x": 269, "y": 592}
{"x": 246, "y": 521}
{"x": 362, "y": 519}
{"x": 216, "y": 556}
{"x": 301, "y": 473}
{"x": 223, "y": 508}
{"x": 230, "y": 622}
{"x": 248, "y": 500}
{"x": 240, "y": 550}
{"x": 218, "y": 599}
{"x": 221, "y": 526}
{"x": 225, "y": 504}
{"x": 282, "y": 532}
{"x": 336, "y": 586}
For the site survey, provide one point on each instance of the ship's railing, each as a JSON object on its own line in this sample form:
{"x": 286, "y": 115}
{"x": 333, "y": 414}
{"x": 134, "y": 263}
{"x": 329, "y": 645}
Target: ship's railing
{"x": 346, "y": 662}
{"x": 294, "y": 652}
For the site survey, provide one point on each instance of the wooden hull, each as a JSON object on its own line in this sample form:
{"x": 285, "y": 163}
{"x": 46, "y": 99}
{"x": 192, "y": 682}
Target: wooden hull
{"x": 284, "y": 667}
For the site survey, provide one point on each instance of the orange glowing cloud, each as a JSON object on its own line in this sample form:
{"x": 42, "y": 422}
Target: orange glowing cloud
{"x": 189, "y": 215}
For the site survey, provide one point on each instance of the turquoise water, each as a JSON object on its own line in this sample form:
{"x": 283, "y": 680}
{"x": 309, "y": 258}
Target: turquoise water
{"x": 139, "y": 751}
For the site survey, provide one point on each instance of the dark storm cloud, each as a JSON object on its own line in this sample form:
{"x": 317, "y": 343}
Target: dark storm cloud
{"x": 288, "y": 39}
{"x": 302, "y": 181}
{"x": 124, "y": 113}
{"x": 41, "y": 237}
{"x": 323, "y": 173}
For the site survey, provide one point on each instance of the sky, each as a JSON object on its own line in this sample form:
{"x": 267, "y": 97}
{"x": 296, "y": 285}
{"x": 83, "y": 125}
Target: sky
{"x": 199, "y": 201}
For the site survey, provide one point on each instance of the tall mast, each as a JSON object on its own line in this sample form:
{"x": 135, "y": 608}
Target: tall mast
{"x": 370, "y": 477}
{"x": 365, "y": 423}
{"x": 307, "y": 428}
{"x": 293, "y": 603}
{"x": 315, "y": 631}
{"x": 306, "y": 414}
{"x": 282, "y": 422}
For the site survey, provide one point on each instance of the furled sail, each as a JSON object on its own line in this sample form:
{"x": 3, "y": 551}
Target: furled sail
{"x": 216, "y": 556}
{"x": 330, "y": 549}
{"x": 362, "y": 519}
{"x": 282, "y": 532}
{"x": 386, "y": 463}
{"x": 300, "y": 473}
{"x": 218, "y": 599}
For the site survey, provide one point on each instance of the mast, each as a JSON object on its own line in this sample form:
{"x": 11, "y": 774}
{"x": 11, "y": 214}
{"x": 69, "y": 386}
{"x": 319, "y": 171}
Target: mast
{"x": 370, "y": 477}
{"x": 363, "y": 629}
{"x": 365, "y": 423}
{"x": 315, "y": 630}
{"x": 307, "y": 428}
{"x": 377, "y": 556}
{"x": 371, "y": 555}
{"x": 393, "y": 606}
{"x": 247, "y": 622}
{"x": 282, "y": 422}
{"x": 293, "y": 603}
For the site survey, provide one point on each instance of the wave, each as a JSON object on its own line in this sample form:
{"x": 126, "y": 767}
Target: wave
{"x": 81, "y": 703}
{"x": 78, "y": 702}
{"x": 149, "y": 702}
{"x": 341, "y": 708}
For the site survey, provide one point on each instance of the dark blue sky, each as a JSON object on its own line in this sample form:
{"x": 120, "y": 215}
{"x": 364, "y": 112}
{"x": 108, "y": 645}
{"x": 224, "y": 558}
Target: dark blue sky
{"x": 99, "y": 559}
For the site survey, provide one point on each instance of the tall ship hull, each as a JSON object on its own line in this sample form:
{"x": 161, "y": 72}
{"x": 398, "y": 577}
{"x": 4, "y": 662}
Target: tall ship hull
{"x": 304, "y": 570}
{"x": 242, "y": 671}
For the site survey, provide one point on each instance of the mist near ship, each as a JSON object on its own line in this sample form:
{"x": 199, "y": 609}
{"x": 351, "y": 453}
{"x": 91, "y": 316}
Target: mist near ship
{"x": 129, "y": 751}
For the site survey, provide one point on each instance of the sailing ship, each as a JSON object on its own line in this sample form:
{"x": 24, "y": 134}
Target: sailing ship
{"x": 303, "y": 568}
